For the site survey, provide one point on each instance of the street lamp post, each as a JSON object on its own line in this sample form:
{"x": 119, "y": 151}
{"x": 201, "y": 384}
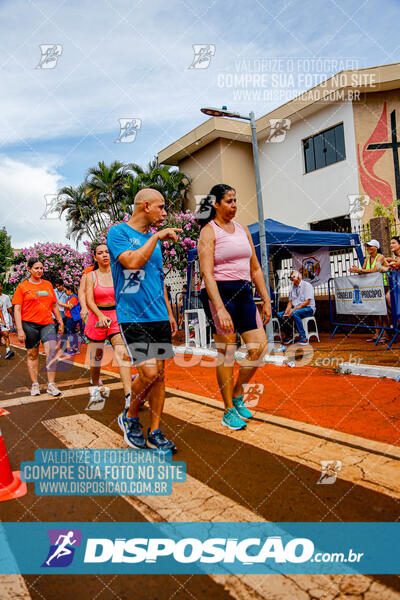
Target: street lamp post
{"x": 223, "y": 112}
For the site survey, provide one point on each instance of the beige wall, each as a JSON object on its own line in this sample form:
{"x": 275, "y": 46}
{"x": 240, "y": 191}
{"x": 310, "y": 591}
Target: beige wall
{"x": 224, "y": 161}
{"x": 205, "y": 170}
{"x": 238, "y": 171}
{"x": 372, "y": 125}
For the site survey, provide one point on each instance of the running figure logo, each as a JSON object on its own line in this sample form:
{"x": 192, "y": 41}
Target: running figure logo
{"x": 252, "y": 393}
{"x": 329, "y": 471}
{"x": 52, "y": 210}
{"x": 357, "y": 206}
{"x": 61, "y": 551}
{"x": 133, "y": 279}
{"x": 128, "y": 130}
{"x": 203, "y": 54}
{"x": 278, "y": 130}
{"x": 204, "y": 205}
{"x": 50, "y": 55}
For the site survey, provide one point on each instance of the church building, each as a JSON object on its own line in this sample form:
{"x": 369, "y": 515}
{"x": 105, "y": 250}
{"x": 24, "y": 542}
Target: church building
{"x": 318, "y": 152}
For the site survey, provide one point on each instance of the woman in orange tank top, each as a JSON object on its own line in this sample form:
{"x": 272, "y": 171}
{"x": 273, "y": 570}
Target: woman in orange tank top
{"x": 102, "y": 324}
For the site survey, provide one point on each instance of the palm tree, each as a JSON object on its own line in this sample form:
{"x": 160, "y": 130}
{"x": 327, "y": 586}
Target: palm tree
{"x": 132, "y": 186}
{"x": 108, "y": 193}
{"x": 172, "y": 184}
{"x": 106, "y": 186}
{"x": 176, "y": 185}
{"x": 75, "y": 202}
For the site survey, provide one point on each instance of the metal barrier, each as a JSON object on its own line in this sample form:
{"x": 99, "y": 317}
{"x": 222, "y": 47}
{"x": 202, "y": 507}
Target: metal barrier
{"x": 394, "y": 288}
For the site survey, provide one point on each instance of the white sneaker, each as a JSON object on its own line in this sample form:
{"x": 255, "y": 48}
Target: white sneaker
{"x": 53, "y": 390}
{"x": 35, "y": 389}
{"x": 96, "y": 399}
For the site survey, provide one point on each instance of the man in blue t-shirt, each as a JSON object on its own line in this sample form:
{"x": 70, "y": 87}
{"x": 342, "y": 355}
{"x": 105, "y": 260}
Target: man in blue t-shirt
{"x": 144, "y": 313}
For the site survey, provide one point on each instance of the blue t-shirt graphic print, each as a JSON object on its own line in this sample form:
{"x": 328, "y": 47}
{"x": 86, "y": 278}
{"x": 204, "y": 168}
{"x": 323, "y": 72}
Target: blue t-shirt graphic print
{"x": 139, "y": 293}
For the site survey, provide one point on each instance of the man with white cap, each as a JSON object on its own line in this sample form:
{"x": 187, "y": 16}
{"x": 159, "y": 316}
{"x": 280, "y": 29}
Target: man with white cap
{"x": 373, "y": 263}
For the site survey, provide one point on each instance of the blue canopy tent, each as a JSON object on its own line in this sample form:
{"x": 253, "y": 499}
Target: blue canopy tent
{"x": 278, "y": 234}
{"x": 286, "y": 238}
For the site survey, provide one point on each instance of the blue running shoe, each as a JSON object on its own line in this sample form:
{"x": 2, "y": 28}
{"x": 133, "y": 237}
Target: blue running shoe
{"x": 232, "y": 420}
{"x": 241, "y": 408}
{"x": 158, "y": 441}
{"x": 133, "y": 435}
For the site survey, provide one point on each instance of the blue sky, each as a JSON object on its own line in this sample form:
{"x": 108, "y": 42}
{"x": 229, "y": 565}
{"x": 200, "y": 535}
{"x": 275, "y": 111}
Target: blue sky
{"x": 131, "y": 60}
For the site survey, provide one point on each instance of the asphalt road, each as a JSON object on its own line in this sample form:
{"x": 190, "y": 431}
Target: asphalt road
{"x": 269, "y": 485}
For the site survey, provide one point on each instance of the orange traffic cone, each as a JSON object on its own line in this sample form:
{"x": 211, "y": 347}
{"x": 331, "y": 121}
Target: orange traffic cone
{"x": 11, "y": 485}
{"x": 3, "y": 412}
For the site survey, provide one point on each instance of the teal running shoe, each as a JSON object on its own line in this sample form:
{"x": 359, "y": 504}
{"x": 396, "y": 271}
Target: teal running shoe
{"x": 241, "y": 408}
{"x": 232, "y": 420}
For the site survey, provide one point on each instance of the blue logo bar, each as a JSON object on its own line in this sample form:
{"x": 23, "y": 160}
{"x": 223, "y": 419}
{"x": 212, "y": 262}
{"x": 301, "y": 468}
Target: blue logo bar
{"x": 199, "y": 548}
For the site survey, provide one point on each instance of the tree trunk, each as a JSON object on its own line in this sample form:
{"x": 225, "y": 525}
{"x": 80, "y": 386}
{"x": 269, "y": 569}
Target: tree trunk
{"x": 380, "y": 230}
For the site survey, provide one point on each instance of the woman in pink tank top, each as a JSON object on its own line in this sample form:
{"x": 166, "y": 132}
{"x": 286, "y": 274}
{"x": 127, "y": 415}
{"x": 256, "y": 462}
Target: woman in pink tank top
{"x": 102, "y": 324}
{"x": 228, "y": 265}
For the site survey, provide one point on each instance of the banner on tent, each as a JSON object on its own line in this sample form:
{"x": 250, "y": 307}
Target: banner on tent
{"x": 360, "y": 295}
{"x": 315, "y": 266}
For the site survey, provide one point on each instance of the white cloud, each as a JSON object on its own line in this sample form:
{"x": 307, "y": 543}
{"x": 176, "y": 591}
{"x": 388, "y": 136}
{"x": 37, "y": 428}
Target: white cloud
{"x": 22, "y": 202}
{"x": 130, "y": 59}
{"x": 113, "y": 68}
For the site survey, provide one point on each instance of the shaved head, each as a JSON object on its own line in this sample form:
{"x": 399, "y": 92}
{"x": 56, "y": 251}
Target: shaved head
{"x": 148, "y": 209}
{"x": 147, "y": 195}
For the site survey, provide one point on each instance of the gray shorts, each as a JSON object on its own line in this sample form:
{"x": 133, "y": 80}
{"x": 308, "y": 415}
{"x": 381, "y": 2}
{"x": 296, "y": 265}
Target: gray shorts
{"x": 36, "y": 333}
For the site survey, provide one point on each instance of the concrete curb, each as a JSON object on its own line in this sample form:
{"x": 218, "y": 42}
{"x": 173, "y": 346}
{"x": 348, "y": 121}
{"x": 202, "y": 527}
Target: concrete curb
{"x": 370, "y": 370}
{"x": 278, "y": 360}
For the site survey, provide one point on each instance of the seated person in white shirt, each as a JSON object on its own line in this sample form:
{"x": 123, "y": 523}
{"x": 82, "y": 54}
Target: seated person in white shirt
{"x": 301, "y": 304}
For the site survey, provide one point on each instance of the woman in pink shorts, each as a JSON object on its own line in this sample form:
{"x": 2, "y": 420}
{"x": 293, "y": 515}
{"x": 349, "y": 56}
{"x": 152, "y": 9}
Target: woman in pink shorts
{"x": 102, "y": 324}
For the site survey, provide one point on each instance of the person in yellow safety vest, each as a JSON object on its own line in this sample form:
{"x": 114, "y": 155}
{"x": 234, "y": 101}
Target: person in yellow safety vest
{"x": 374, "y": 263}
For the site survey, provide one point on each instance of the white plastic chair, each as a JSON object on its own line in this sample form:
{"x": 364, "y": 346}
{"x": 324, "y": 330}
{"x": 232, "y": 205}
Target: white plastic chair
{"x": 276, "y": 327}
{"x": 306, "y": 322}
{"x": 200, "y": 327}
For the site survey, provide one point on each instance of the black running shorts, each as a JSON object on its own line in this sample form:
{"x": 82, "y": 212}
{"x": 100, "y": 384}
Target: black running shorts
{"x": 145, "y": 341}
{"x": 36, "y": 333}
{"x": 238, "y": 301}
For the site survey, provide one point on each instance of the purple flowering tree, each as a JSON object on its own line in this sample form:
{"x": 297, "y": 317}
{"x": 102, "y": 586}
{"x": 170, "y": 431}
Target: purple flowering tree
{"x": 174, "y": 253}
{"x": 60, "y": 261}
